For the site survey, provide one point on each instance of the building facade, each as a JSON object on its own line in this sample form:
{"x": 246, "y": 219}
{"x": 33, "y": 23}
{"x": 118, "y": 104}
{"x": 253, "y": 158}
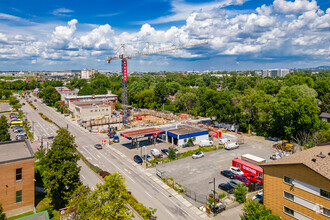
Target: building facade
{"x": 88, "y": 112}
{"x": 180, "y": 135}
{"x": 275, "y": 73}
{"x": 16, "y": 177}
{"x": 298, "y": 186}
{"x": 105, "y": 98}
{"x": 86, "y": 73}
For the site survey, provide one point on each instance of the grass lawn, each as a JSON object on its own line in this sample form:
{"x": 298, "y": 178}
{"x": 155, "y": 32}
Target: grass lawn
{"x": 20, "y": 216}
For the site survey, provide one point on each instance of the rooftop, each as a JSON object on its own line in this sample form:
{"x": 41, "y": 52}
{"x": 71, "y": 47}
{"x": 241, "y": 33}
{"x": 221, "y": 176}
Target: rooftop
{"x": 308, "y": 158}
{"x": 93, "y": 106}
{"x": 15, "y": 150}
{"x": 91, "y": 102}
{"x": 184, "y": 129}
{"x": 324, "y": 115}
{"x": 90, "y": 96}
{"x": 140, "y": 133}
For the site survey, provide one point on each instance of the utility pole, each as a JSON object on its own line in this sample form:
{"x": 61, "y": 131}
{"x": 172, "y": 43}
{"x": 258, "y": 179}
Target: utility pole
{"x": 213, "y": 190}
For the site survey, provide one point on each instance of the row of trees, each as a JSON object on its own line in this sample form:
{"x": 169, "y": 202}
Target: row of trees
{"x": 60, "y": 174}
{"x": 4, "y": 126}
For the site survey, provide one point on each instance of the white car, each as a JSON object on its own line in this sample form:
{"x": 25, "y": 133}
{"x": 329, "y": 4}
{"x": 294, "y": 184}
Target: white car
{"x": 236, "y": 171}
{"x": 198, "y": 154}
{"x": 205, "y": 143}
{"x": 231, "y": 146}
{"x": 155, "y": 152}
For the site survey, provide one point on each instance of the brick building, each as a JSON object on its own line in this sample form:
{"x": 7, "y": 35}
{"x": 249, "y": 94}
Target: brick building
{"x": 16, "y": 177}
{"x": 298, "y": 186}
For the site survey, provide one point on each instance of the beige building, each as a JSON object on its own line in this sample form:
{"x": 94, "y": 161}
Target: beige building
{"x": 92, "y": 111}
{"x": 16, "y": 177}
{"x": 298, "y": 186}
{"x": 86, "y": 73}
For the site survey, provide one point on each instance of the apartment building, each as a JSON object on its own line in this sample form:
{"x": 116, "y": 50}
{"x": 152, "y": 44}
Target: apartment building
{"x": 16, "y": 177}
{"x": 275, "y": 73}
{"x": 86, "y": 73}
{"x": 88, "y": 112}
{"x": 298, "y": 186}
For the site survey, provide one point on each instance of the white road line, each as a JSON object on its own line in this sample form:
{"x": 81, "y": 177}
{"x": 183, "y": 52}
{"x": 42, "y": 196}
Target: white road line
{"x": 169, "y": 212}
{"x": 148, "y": 194}
{"x": 98, "y": 156}
{"x": 82, "y": 176}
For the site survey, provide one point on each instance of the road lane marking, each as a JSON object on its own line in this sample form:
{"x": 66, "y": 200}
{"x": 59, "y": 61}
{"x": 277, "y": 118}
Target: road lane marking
{"x": 148, "y": 194}
{"x": 82, "y": 176}
{"x": 169, "y": 212}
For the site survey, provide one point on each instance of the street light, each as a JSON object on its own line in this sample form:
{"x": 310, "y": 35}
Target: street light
{"x": 213, "y": 190}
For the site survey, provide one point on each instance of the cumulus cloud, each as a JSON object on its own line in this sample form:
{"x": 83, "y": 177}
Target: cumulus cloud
{"x": 296, "y": 7}
{"x": 261, "y": 34}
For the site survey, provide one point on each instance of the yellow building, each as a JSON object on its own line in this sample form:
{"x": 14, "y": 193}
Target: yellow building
{"x": 298, "y": 186}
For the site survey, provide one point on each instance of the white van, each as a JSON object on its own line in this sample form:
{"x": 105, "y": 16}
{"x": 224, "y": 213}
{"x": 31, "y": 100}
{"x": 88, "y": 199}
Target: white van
{"x": 231, "y": 146}
{"x": 205, "y": 143}
{"x": 223, "y": 141}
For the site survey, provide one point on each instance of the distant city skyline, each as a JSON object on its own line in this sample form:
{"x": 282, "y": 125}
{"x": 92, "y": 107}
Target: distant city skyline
{"x": 242, "y": 34}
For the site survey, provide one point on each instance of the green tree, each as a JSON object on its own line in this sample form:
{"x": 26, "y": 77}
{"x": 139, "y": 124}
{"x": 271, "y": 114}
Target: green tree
{"x": 171, "y": 153}
{"x": 86, "y": 90}
{"x": 240, "y": 193}
{"x": 174, "y": 87}
{"x": 4, "y": 134}
{"x": 2, "y": 214}
{"x": 50, "y": 95}
{"x": 254, "y": 210}
{"x": 108, "y": 201}
{"x": 60, "y": 171}
{"x": 145, "y": 98}
{"x": 118, "y": 105}
{"x": 161, "y": 93}
{"x": 7, "y": 93}
{"x": 186, "y": 101}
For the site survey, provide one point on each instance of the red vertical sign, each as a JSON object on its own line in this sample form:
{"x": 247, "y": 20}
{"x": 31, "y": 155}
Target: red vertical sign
{"x": 124, "y": 69}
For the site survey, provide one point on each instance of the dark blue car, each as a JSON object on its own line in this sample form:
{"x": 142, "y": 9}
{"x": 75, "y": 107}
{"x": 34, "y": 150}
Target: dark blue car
{"x": 138, "y": 159}
{"x": 227, "y": 173}
{"x": 226, "y": 187}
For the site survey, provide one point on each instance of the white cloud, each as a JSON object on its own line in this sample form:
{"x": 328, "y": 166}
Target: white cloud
{"x": 296, "y": 7}
{"x": 62, "y": 12}
{"x": 181, "y": 10}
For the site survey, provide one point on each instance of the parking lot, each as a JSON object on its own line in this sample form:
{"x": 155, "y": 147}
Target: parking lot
{"x": 195, "y": 174}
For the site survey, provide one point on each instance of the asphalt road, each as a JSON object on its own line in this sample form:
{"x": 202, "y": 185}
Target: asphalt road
{"x": 141, "y": 186}
{"x": 195, "y": 174}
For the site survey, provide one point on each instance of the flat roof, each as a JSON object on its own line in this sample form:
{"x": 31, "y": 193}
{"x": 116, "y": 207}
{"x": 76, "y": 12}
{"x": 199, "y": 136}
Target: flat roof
{"x": 184, "y": 129}
{"x": 93, "y": 106}
{"x": 140, "y": 133}
{"x": 90, "y": 96}
{"x": 11, "y": 151}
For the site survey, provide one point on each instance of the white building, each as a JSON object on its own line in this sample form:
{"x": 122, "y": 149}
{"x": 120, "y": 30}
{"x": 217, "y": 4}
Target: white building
{"x": 86, "y": 73}
{"x": 275, "y": 73}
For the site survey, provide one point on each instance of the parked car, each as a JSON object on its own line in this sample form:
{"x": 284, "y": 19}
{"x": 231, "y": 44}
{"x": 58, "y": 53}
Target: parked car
{"x": 16, "y": 128}
{"x": 243, "y": 179}
{"x": 227, "y": 173}
{"x": 236, "y": 171}
{"x": 278, "y": 155}
{"x": 98, "y": 146}
{"x": 235, "y": 183}
{"x": 19, "y": 130}
{"x": 21, "y": 137}
{"x": 164, "y": 151}
{"x": 155, "y": 152}
{"x": 218, "y": 208}
{"x": 253, "y": 178}
{"x": 205, "y": 143}
{"x": 226, "y": 187}
{"x": 116, "y": 139}
{"x": 15, "y": 119}
{"x": 231, "y": 146}
{"x": 138, "y": 159}
{"x": 259, "y": 197}
{"x": 147, "y": 157}
{"x": 198, "y": 154}
{"x": 223, "y": 140}
{"x": 23, "y": 103}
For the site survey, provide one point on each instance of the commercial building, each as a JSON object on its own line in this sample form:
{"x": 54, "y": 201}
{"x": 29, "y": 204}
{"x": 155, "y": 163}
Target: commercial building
{"x": 275, "y": 73}
{"x": 88, "y": 112}
{"x": 67, "y": 92}
{"x": 16, "y": 177}
{"x": 298, "y": 186}
{"x": 75, "y": 108}
{"x": 106, "y": 97}
{"x": 180, "y": 135}
{"x": 86, "y": 73}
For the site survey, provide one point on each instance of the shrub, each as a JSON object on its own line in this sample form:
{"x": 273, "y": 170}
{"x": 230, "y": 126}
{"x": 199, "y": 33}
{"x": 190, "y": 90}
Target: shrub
{"x": 222, "y": 195}
{"x": 104, "y": 174}
{"x": 240, "y": 193}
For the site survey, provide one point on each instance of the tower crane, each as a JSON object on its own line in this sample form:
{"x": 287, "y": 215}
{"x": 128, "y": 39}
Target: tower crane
{"x": 123, "y": 57}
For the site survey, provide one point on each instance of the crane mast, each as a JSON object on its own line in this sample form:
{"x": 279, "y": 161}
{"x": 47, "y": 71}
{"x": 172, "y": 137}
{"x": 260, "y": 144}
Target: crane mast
{"x": 123, "y": 57}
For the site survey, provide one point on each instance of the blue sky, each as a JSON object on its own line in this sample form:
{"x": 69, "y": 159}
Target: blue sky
{"x": 242, "y": 34}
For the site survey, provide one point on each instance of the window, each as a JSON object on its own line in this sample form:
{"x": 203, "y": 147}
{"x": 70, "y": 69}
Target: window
{"x": 18, "y": 174}
{"x": 325, "y": 193}
{"x": 326, "y": 211}
{"x": 91, "y": 110}
{"x": 239, "y": 165}
{"x": 102, "y": 110}
{"x": 288, "y": 180}
{"x": 289, "y": 196}
{"x": 106, "y": 109}
{"x": 185, "y": 140}
{"x": 288, "y": 211}
{"x": 19, "y": 196}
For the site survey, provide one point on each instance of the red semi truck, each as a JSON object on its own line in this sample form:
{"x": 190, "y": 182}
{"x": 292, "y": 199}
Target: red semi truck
{"x": 247, "y": 167}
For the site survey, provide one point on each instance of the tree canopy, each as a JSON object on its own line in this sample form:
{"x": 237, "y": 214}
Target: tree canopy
{"x": 254, "y": 210}
{"x": 60, "y": 171}
{"x": 4, "y": 134}
{"x": 50, "y": 95}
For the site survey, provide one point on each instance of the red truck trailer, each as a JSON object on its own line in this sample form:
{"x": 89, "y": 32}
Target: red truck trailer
{"x": 247, "y": 167}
